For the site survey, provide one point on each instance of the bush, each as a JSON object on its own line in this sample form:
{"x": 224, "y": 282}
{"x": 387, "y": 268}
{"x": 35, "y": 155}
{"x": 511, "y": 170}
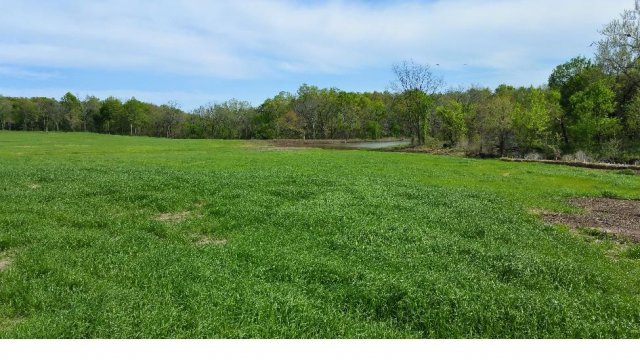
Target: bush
{"x": 582, "y": 157}
{"x": 611, "y": 150}
{"x": 533, "y": 156}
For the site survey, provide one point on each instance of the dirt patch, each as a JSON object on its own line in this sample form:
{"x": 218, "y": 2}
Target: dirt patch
{"x": 588, "y": 165}
{"x": 209, "y": 240}
{"x": 6, "y": 324}
{"x": 611, "y": 216}
{"x": 173, "y": 217}
{"x": 4, "y": 263}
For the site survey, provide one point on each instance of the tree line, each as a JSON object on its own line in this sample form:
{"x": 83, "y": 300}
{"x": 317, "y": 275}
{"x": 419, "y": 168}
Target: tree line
{"x": 588, "y": 106}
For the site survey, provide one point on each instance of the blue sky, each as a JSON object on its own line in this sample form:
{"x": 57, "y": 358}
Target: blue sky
{"x": 196, "y": 52}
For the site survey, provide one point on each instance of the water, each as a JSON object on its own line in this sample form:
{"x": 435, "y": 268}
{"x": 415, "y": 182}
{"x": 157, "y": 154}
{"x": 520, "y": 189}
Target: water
{"x": 375, "y": 144}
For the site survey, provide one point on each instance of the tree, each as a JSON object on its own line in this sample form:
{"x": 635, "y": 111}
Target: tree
{"x": 24, "y": 113}
{"x": 6, "y": 109}
{"x": 110, "y": 114}
{"x": 453, "y": 126}
{"x": 348, "y": 115}
{"x": 501, "y": 109}
{"x": 633, "y": 119}
{"x": 48, "y": 111}
{"x": 71, "y": 109}
{"x": 90, "y": 113}
{"x": 593, "y": 108}
{"x": 270, "y": 113}
{"x": 532, "y": 120}
{"x": 170, "y": 115}
{"x": 416, "y": 84}
{"x": 137, "y": 115}
{"x": 619, "y": 51}
{"x": 562, "y": 75}
{"x": 618, "y": 54}
{"x": 568, "y": 79}
{"x": 290, "y": 125}
{"x": 306, "y": 108}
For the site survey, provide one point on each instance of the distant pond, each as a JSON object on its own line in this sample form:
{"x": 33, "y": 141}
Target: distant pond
{"x": 374, "y": 144}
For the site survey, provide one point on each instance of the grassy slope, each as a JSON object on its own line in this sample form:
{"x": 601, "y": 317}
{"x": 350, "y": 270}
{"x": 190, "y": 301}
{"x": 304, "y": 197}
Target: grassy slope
{"x": 319, "y": 243}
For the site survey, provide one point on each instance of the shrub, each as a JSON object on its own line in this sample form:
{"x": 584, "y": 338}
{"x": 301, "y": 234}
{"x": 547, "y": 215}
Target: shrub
{"x": 582, "y": 157}
{"x": 533, "y": 156}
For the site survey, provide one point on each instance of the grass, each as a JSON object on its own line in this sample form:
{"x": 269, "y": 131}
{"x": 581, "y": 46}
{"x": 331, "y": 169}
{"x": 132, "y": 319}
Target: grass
{"x": 121, "y": 237}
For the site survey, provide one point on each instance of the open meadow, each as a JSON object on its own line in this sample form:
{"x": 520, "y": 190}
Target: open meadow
{"x": 133, "y": 237}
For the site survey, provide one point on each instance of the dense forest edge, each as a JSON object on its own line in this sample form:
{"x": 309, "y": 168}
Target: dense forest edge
{"x": 588, "y": 110}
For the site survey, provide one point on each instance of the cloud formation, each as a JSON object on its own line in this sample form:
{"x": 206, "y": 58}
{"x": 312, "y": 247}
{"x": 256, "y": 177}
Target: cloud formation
{"x": 277, "y": 39}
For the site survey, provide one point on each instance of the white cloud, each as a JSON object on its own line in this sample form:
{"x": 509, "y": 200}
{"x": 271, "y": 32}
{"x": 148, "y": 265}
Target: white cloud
{"x": 252, "y": 39}
{"x": 16, "y": 72}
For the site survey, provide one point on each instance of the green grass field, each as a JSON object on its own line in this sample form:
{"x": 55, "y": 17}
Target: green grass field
{"x": 121, "y": 237}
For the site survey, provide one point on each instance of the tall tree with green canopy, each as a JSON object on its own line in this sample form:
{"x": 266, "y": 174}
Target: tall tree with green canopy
{"x": 270, "y": 113}
{"x": 71, "y": 111}
{"x": 618, "y": 54}
{"x": 532, "y": 121}
{"x": 453, "y": 126}
{"x": 90, "y": 113}
{"x": 306, "y": 107}
{"x": 110, "y": 114}
{"x": 416, "y": 85}
{"x": 593, "y": 108}
{"x": 6, "y": 107}
{"x": 633, "y": 121}
{"x": 137, "y": 115}
{"x": 569, "y": 79}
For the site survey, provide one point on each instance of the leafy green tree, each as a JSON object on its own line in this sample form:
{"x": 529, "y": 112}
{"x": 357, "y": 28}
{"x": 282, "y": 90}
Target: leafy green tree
{"x": 633, "y": 120}
{"x": 169, "y": 117}
{"x": 569, "y": 79}
{"x": 306, "y": 107}
{"x": 71, "y": 109}
{"x": 532, "y": 121}
{"x": 593, "y": 107}
{"x": 349, "y": 114}
{"x": 110, "y": 115}
{"x": 6, "y": 109}
{"x": 453, "y": 126}
{"x": 136, "y": 114}
{"x": 269, "y": 114}
{"x": 25, "y": 113}
{"x": 291, "y": 126}
{"x": 90, "y": 113}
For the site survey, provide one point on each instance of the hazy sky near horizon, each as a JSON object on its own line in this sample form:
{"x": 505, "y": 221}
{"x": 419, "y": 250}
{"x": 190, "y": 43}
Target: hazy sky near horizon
{"x": 196, "y": 52}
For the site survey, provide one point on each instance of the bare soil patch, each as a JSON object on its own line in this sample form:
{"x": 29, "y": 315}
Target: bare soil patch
{"x": 10, "y": 323}
{"x": 4, "y": 263}
{"x": 589, "y": 165}
{"x": 209, "y": 240}
{"x": 172, "y": 217}
{"x": 611, "y": 216}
